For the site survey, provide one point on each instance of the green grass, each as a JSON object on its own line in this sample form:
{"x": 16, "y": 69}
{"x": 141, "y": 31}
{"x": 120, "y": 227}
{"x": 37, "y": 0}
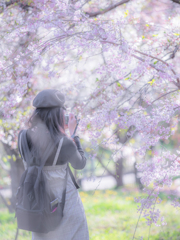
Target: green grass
{"x": 111, "y": 215}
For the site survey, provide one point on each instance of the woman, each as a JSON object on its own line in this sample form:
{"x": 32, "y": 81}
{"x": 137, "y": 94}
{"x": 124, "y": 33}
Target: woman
{"x": 47, "y": 123}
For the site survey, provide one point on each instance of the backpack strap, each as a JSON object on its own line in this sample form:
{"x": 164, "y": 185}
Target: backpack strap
{"x": 58, "y": 151}
{"x": 24, "y": 162}
{"x": 65, "y": 181}
{"x": 64, "y": 189}
{"x": 68, "y": 168}
{"x": 72, "y": 176}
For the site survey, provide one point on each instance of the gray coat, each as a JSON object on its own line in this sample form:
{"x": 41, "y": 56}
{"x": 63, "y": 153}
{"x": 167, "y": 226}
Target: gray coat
{"x": 74, "y": 223}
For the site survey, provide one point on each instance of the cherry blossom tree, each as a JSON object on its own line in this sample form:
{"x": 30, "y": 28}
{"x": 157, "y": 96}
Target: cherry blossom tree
{"x": 118, "y": 64}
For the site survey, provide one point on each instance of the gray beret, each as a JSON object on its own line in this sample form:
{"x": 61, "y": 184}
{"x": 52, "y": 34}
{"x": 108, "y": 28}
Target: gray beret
{"x": 49, "y": 98}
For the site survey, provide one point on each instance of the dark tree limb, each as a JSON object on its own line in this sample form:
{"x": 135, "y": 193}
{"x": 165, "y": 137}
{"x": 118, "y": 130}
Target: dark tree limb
{"x": 7, "y": 4}
{"x": 25, "y": 7}
{"x": 6, "y": 204}
{"x": 176, "y": 1}
{"x": 119, "y": 172}
{"x": 174, "y": 52}
{"x": 99, "y": 159}
{"x": 106, "y": 9}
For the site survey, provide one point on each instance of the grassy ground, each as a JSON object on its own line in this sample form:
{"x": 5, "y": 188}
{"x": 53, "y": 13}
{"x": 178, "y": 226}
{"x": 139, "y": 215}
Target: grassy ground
{"x": 111, "y": 215}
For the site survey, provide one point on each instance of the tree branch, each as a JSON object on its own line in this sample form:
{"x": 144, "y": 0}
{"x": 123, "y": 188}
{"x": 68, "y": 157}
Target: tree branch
{"x": 91, "y": 15}
{"x": 11, "y": 2}
{"x": 148, "y": 55}
{"x": 176, "y": 1}
{"x": 6, "y": 204}
{"x": 173, "y": 53}
{"x": 164, "y": 95}
{"x": 7, "y": 4}
{"x": 177, "y": 84}
{"x": 99, "y": 159}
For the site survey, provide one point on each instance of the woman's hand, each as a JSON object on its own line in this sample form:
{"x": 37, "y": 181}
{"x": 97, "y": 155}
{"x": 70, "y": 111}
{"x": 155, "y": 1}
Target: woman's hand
{"x": 72, "y": 123}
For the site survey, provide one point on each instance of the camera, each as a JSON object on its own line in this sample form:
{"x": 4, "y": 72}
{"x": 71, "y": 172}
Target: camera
{"x": 67, "y": 119}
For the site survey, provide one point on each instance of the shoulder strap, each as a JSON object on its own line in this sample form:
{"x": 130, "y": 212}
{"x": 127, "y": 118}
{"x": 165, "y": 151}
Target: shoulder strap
{"x": 20, "y": 146}
{"x": 20, "y": 149}
{"x": 72, "y": 176}
{"x": 64, "y": 189}
{"x": 58, "y": 151}
{"x": 65, "y": 184}
{"x": 68, "y": 168}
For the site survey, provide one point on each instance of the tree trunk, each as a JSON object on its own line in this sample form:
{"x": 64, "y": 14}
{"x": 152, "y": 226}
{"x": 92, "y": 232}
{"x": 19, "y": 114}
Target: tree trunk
{"x": 16, "y": 172}
{"x": 119, "y": 172}
{"x": 138, "y": 182}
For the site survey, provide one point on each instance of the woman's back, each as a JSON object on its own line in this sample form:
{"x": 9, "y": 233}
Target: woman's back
{"x": 74, "y": 224}
{"x": 70, "y": 152}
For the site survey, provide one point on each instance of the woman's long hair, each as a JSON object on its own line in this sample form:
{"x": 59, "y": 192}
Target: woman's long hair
{"x": 45, "y": 125}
